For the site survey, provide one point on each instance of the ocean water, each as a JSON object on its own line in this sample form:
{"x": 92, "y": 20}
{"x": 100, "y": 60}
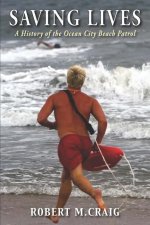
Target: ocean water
{"x": 117, "y": 75}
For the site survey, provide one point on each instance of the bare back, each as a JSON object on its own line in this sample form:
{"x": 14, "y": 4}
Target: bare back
{"x": 67, "y": 121}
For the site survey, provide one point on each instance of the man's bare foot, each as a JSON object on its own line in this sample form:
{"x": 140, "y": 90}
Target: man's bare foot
{"x": 98, "y": 198}
{"x": 54, "y": 219}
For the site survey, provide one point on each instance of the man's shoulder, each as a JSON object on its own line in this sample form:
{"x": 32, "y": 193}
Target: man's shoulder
{"x": 57, "y": 94}
{"x": 60, "y": 93}
{"x": 88, "y": 96}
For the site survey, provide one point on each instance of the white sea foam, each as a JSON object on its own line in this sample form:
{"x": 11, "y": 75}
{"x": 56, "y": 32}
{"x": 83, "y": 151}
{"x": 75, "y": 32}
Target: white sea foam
{"x": 127, "y": 129}
{"x": 123, "y": 82}
{"x": 123, "y": 92}
{"x": 136, "y": 192}
{"x": 30, "y": 52}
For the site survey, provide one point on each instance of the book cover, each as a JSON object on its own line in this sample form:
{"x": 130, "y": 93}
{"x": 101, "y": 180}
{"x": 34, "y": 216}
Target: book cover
{"x": 40, "y": 40}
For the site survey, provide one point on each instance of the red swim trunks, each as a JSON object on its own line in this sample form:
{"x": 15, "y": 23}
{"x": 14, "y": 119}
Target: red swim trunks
{"x": 73, "y": 149}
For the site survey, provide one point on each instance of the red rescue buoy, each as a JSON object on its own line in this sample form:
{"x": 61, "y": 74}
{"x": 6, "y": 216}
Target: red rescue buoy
{"x": 95, "y": 160}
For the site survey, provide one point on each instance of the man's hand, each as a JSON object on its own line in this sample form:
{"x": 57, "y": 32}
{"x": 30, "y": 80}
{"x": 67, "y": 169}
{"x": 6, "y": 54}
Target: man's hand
{"x": 95, "y": 148}
{"x": 53, "y": 126}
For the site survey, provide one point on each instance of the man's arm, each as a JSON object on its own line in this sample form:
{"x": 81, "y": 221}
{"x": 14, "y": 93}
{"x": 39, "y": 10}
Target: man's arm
{"x": 46, "y": 44}
{"x": 44, "y": 113}
{"x": 99, "y": 115}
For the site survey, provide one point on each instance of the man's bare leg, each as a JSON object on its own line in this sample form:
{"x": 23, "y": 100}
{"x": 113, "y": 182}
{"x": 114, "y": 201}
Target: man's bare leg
{"x": 64, "y": 193}
{"x": 84, "y": 184}
{"x": 65, "y": 189}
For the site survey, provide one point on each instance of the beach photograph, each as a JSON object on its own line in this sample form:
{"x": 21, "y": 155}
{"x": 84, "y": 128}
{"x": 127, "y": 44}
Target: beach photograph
{"x": 40, "y": 41}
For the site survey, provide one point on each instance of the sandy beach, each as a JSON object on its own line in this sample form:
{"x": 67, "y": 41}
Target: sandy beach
{"x": 16, "y": 210}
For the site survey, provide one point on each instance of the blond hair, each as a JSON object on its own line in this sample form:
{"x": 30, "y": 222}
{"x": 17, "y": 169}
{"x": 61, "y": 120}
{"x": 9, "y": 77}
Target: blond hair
{"x": 76, "y": 76}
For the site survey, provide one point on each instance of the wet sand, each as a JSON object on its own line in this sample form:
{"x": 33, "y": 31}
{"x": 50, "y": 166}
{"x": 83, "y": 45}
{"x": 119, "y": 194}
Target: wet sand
{"x": 16, "y": 210}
